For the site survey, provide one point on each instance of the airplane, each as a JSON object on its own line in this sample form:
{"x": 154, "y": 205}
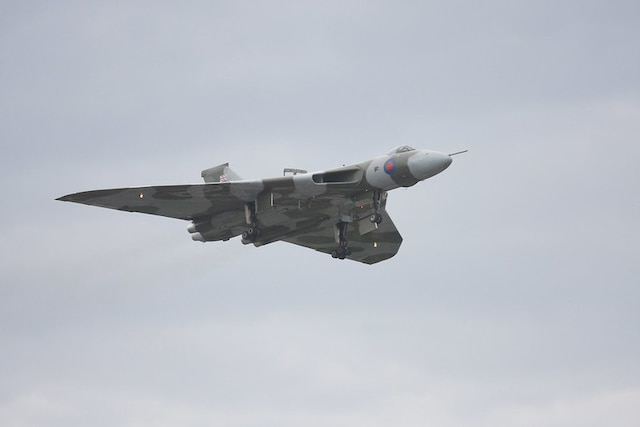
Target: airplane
{"x": 341, "y": 212}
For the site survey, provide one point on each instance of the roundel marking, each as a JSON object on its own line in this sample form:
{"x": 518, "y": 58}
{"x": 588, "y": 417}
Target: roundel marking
{"x": 390, "y": 166}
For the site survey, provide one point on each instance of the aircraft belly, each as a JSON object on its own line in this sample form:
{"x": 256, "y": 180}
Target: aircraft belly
{"x": 279, "y": 222}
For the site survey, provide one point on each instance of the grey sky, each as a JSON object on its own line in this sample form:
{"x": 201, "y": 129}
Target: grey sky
{"x": 514, "y": 299}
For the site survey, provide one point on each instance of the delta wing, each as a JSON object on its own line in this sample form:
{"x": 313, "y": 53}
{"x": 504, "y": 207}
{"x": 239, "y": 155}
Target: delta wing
{"x": 186, "y": 202}
{"x": 368, "y": 243}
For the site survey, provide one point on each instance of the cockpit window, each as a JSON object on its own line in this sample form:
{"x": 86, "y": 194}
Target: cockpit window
{"x": 402, "y": 149}
{"x": 405, "y": 148}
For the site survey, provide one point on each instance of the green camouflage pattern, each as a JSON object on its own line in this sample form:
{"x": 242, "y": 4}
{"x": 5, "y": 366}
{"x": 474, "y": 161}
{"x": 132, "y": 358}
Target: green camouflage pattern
{"x": 305, "y": 209}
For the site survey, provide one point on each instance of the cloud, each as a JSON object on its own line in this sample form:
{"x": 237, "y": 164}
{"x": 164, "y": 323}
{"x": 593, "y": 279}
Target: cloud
{"x": 513, "y": 299}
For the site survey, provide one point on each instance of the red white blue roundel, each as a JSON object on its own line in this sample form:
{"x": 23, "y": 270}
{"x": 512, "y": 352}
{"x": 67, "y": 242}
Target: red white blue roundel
{"x": 390, "y": 166}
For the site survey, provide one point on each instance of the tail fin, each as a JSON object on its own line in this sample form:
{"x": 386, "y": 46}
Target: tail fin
{"x": 220, "y": 173}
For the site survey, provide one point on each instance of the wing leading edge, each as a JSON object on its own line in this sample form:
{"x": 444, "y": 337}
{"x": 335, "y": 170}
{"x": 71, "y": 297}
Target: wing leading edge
{"x": 186, "y": 202}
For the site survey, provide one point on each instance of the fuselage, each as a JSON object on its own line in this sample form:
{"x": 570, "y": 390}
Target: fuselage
{"x": 401, "y": 167}
{"x": 404, "y": 167}
{"x": 341, "y": 194}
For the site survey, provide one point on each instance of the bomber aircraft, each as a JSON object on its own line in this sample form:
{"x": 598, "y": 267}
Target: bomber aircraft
{"x": 339, "y": 211}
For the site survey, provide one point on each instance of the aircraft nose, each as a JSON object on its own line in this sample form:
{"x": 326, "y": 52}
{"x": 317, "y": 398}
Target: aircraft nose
{"x": 443, "y": 160}
{"x": 426, "y": 164}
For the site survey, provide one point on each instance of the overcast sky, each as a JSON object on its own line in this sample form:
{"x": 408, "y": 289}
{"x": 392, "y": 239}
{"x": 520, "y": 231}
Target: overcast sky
{"x": 514, "y": 299}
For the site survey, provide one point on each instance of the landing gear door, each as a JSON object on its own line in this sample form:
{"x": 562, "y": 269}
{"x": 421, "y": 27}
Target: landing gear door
{"x": 366, "y": 226}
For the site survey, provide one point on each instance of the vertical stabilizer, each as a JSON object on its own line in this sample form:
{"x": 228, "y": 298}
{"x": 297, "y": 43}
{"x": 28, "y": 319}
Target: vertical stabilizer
{"x": 220, "y": 173}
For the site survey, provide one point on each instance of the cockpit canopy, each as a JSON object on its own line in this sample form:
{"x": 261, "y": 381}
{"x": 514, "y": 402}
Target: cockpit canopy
{"x": 402, "y": 149}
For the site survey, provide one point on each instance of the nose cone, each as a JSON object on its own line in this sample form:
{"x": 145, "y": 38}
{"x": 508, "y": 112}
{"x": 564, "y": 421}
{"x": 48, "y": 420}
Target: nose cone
{"x": 441, "y": 160}
{"x": 426, "y": 164}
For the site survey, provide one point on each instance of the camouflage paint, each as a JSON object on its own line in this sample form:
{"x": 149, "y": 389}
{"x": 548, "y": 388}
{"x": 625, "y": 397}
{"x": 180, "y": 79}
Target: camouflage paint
{"x": 302, "y": 209}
